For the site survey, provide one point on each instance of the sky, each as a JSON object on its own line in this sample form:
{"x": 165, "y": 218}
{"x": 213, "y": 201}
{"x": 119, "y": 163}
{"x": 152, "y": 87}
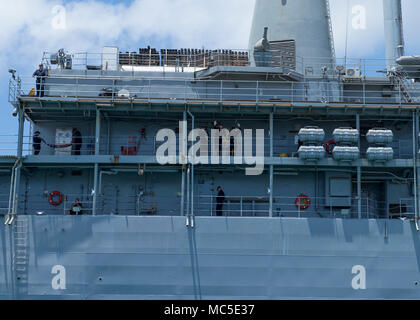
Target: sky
{"x": 30, "y": 27}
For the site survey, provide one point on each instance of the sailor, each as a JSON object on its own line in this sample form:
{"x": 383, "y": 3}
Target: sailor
{"x": 37, "y": 140}
{"x": 40, "y": 75}
{"x": 219, "y": 126}
{"x": 232, "y": 139}
{"x": 76, "y": 208}
{"x": 220, "y": 199}
{"x": 77, "y": 142}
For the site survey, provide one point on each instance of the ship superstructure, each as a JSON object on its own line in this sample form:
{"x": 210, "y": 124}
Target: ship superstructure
{"x": 336, "y": 199}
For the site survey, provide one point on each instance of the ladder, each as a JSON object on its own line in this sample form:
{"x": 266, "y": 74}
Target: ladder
{"x": 405, "y": 86}
{"x": 21, "y": 254}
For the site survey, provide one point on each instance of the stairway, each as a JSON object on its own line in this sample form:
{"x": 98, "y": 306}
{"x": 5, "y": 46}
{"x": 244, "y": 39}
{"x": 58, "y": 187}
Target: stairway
{"x": 405, "y": 86}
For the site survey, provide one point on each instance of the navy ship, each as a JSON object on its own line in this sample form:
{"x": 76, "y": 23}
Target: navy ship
{"x": 276, "y": 172}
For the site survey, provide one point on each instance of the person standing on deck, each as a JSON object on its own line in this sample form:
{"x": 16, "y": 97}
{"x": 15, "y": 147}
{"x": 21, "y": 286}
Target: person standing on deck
{"x": 36, "y": 142}
{"x": 76, "y": 208}
{"x": 76, "y": 142}
{"x": 40, "y": 75}
{"x": 220, "y": 199}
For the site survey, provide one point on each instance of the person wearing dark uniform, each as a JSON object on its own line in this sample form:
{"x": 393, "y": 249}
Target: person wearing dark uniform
{"x": 76, "y": 142}
{"x": 220, "y": 199}
{"x": 37, "y": 140}
{"x": 76, "y": 208}
{"x": 40, "y": 75}
{"x": 232, "y": 140}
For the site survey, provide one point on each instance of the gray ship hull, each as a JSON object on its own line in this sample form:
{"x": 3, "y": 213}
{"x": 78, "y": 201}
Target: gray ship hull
{"x": 112, "y": 257}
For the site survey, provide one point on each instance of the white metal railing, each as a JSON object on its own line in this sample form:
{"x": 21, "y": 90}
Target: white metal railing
{"x": 215, "y": 90}
{"x": 146, "y": 203}
{"x": 195, "y": 60}
{"x": 258, "y": 206}
{"x": 136, "y": 145}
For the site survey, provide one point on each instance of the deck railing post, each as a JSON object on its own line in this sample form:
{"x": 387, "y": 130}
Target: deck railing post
{"x": 293, "y": 92}
{"x": 149, "y": 90}
{"x": 257, "y": 91}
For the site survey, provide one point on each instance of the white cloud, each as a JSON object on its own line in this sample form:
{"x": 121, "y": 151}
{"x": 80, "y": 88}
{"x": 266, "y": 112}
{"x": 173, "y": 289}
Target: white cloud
{"x": 370, "y": 41}
{"x": 27, "y": 30}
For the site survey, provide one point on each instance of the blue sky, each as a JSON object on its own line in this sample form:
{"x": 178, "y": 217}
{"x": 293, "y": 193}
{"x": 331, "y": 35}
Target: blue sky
{"x": 27, "y": 30}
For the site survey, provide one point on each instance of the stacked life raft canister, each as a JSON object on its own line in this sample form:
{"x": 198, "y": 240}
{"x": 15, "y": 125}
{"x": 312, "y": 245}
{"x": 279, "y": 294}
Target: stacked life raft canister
{"x": 311, "y": 138}
{"x": 346, "y": 140}
{"x": 380, "y": 139}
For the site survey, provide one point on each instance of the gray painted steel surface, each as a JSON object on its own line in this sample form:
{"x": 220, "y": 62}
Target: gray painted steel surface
{"x": 301, "y": 20}
{"x": 394, "y": 37}
{"x": 222, "y": 258}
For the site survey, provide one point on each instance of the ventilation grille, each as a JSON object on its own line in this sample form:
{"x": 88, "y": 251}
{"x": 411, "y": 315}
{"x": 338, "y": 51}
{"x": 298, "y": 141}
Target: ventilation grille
{"x": 283, "y": 54}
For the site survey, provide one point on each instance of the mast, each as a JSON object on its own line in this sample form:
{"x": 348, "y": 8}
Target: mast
{"x": 394, "y": 34}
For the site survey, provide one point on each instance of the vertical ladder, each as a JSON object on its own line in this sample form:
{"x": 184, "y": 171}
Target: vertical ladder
{"x": 21, "y": 254}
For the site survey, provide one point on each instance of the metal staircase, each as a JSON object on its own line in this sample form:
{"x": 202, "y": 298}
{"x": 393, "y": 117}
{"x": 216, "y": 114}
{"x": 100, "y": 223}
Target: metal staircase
{"x": 406, "y": 87}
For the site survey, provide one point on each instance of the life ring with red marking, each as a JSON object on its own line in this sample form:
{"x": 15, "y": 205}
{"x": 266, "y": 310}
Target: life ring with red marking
{"x": 303, "y": 202}
{"x": 329, "y": 147}
{"x": 53, "y": 196}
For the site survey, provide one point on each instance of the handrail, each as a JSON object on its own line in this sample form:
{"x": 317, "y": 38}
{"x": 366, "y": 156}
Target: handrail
{"x": 146, "y": 204}
{"x": 221, "y": 90}
{"x": 199, "y": 59}
{"x": 135, "y": 145}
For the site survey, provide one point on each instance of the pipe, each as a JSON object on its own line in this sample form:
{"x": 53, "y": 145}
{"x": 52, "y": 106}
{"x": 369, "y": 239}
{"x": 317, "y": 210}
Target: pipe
{"x": 184, "y": 168}
{"x": 415, "y": 121}
{"x": 97, "y": 132}
{"x": 416, "y": 158}
{"x": 394, "y": 35}
{"x": 12, "y": 181}
{"x": 112, "y": 172}
{"x": 271, "y": 166}
{"x": 188, "y": 191}
{"x": 20, "y": 136}
{"x": 16, "y": 187}
{"x": 108, "y": 147}
{"x": 358, "y": 129}
{"x": 95, "y": 188}
{"x": 192, "y": 170}
{"x": 359, "y": 192}
{"x": 271, "y": 189}
{"x": 96, "y": 170}
{"x": 183, "y": 190}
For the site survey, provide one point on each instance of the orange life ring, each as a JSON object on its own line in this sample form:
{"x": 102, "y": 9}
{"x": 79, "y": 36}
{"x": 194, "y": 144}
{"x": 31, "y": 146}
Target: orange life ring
{"x": 328, "y": 146}
{"x": 303, "y": 202}
{"x": 52, "y": 196}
